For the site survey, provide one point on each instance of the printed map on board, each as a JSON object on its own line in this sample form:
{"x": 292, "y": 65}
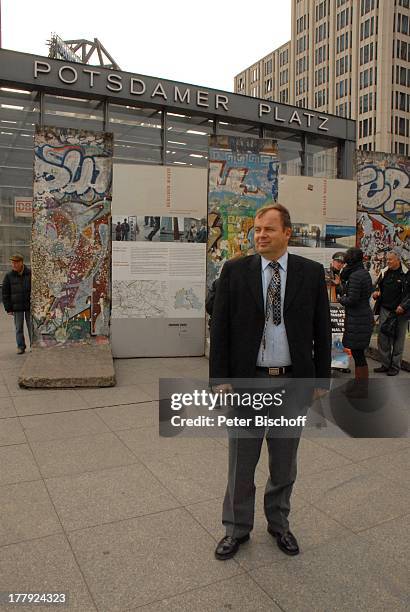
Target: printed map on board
{"x": 138, "y": 299}
{"x": 187, "y": 299}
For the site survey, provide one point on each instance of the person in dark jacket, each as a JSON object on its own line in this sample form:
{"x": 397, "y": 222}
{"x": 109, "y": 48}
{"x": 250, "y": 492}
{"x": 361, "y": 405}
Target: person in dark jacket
{"x": 16, "y": 298}
{"x": 357, "y": 289}
{"x": 393, "y": 296}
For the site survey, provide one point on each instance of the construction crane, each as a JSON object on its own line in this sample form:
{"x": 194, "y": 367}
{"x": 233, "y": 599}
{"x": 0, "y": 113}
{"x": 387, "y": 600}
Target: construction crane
{"x": 81, "y": 51}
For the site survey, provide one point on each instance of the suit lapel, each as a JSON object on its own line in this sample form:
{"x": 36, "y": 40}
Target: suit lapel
{"x": 294, "y": 279}
{"x": 254, "y": 279}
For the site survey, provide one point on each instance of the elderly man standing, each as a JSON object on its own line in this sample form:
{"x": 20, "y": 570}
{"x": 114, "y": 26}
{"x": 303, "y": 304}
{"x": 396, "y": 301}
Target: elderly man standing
{"x": 16, "y": 298}
{"x": 270, "y": 321}
{"x": 393, "y": 295}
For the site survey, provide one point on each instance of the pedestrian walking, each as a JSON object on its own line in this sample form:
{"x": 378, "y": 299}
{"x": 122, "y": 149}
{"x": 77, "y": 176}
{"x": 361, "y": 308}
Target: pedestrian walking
{"x": 16, "y": 292}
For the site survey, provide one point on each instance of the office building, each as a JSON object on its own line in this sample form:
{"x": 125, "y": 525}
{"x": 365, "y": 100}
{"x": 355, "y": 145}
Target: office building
{"x": 346, "y": 57}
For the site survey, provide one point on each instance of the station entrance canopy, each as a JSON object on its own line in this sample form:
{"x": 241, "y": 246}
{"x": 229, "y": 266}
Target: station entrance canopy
{"x": 68, "y": 78}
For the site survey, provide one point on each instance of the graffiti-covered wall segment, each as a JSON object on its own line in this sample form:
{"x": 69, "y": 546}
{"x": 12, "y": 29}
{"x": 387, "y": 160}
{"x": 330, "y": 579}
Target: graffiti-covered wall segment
{"x": 71, "y": 255}
{"x": 383, "y": 184}
{"x": 243, "y": 176}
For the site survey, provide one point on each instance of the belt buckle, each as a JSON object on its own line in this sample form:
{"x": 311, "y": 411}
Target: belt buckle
{"x": 274, "y": 371}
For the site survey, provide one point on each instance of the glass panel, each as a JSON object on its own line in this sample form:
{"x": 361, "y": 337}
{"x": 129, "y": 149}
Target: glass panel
{"x": 137, "y": 134}
{"x": 290, "y": 151}
{"x": 19, "y": 112}
{"x": 238, "y": 129}
{"x": 60, "y": 111}
{"x": 321, "y": 157}
{"x": 187, "y": 140}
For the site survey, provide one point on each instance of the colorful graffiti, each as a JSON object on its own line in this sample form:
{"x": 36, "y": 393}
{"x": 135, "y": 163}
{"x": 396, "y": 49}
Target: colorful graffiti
{"x": 71, "y": 255}
{"x": 383, "y": 213}
{"x": 243, "y": 176}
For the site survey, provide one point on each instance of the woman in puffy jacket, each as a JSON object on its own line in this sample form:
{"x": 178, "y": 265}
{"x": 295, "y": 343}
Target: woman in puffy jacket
{"x": 357, "y": 288}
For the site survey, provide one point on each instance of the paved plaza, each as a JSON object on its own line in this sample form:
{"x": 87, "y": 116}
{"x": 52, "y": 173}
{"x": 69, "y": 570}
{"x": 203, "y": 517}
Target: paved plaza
{"x": 95, "y": 504}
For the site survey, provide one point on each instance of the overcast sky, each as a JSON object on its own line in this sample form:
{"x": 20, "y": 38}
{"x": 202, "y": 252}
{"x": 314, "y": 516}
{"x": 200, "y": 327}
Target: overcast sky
{"x": 204, "y": 43}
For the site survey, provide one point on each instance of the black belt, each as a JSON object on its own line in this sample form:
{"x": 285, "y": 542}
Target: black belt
{"x": 276, "y": 371}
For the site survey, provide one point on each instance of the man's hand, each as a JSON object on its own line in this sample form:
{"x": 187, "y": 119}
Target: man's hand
{"x": 375, "y": 295}
{"x": 10, "y": 313}
{"x": 318, "y": 393}
{"x": 225, "y": 388}
{"x": 400, "y": 310}
{"x": 336, "y": 280}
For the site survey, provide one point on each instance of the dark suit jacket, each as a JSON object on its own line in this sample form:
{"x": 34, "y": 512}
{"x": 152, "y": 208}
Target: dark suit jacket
{"x": 238, "y": 319}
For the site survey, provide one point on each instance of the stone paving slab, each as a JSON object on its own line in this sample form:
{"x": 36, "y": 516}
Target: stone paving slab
{"x": 83, "y": 365}
{"x": 44, "y": 565}
{"x": 138, "y": 561}
{"x": 358, "y": 449}
{"x": 32, "y": 402}
{"x": 340, "y": 576}
{"x": 81, "y": 454}
{"x": 355, "y": 496}
{"x": 147, "y": 444}
{"x": 131, "y": 416}
{"x": 11, "y": 432}
{"x": 98, "y": 398}
{"x": 237, "y": 594}
{"x": 193, "y": 477}
{"x": 103, "y": 496}
{"x": 395, "y": 467}
{"x": 393, "y": 538}
{"x": 7, "y": 408}
{"x": 17, "y": 464}
{"x": 26, "y": 513}
{"x": 62, "y": 425}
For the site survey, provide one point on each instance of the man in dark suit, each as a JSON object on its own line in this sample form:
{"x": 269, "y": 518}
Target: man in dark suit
{"x": 270, "y": 320}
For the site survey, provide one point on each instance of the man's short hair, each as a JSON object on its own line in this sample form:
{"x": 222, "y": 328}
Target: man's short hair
{"x": 395, "y": 253}
{"x": 282, "y": 210}
{"x": 17, "y": 257}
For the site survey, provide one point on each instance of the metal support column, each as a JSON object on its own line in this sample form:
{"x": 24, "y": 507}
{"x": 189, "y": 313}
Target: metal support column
{"x": 106, "y": 118}
{"x": 163, "y": 138}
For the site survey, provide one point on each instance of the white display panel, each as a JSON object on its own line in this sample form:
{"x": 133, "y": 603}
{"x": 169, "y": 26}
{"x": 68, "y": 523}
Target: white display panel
{"x": 158, "y": 261}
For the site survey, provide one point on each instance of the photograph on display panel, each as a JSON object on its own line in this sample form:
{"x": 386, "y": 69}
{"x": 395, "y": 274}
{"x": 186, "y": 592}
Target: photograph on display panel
{"x": 150, "y": 228}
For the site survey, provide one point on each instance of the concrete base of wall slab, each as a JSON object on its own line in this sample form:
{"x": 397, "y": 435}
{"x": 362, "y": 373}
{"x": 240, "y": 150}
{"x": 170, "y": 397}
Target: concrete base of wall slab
{"x": 61, "y": 367}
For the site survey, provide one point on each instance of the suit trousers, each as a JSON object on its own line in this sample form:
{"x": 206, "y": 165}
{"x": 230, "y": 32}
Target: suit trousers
{"x": 391, "y": 350}
{"x": 239, "y": 503}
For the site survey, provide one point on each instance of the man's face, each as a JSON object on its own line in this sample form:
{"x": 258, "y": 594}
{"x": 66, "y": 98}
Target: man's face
{"x": 393, "y": 262}
{"x": 17, "y": 266}
{"x": 271, "y": 238}
{"x": 336, "y": 264}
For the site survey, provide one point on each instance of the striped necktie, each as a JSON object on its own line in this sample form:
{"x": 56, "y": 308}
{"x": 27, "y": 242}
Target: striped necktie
{"x": 273, "y": 295}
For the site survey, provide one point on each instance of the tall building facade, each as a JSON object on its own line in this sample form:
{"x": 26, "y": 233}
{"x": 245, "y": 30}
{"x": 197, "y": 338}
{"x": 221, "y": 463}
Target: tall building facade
{"x": 346, "y": 57}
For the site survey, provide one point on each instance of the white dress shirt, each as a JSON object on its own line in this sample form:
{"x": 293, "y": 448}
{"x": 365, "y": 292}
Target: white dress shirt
{"x": 276, "y": 351}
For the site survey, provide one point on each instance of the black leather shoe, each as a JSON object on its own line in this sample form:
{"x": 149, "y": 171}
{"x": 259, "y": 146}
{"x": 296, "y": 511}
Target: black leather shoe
{"x": 286, "y": 542}
{"x": 229, "y": 546}
{"x": 392, "y": 372}
{"x": 381, "y": 369}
